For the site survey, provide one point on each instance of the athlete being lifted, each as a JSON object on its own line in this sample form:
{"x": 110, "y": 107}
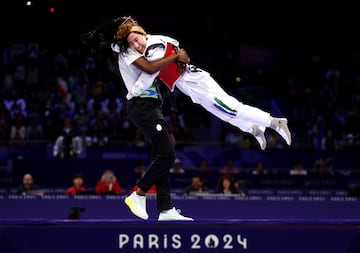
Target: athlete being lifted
{"x": 194, "y": 82}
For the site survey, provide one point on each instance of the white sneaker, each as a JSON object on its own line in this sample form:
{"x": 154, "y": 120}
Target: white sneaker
{"x": 137, "y": 205}
{"x": 280, "y": 126}
{"x": 173, "y": 215}
{"x": 258, "y": 133}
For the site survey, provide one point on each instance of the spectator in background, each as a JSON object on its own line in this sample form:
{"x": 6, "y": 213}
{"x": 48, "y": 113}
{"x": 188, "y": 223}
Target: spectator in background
{"x": 203, "y": 167}
{"x": 108, "y": 184}
{"x": 226, "y": 185}
{"x": 229, "y": 168}
{"x": 67, "y": 145}
{"x": 34, "y": 131}
{"x": 259, "y": 169}
{"x": 176, "y": 124}
{"x": 322, "y": 166}
{"x": 18, "y": 132}
{"x": 28, "y": 187}
{"x": 298, "y": 169}
{"x": 86, "y": 141}
{"x": 177, "y": 168}
{"x": 77, "y": 186}
{"x": 196, "y": 187}
{"x": 138, "y": 140}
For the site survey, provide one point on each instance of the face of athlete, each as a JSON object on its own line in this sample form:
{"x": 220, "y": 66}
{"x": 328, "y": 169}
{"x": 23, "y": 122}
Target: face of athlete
{"x": 137, "y": 42}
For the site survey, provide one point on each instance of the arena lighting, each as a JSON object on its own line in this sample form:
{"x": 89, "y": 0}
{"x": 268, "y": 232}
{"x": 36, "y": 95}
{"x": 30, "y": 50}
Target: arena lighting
{"x": 28, "y": 3}
{"x": 238, "y": 79}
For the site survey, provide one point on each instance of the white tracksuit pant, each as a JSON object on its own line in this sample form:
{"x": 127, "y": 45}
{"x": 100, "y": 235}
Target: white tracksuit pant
{"x": 204, "y": 90}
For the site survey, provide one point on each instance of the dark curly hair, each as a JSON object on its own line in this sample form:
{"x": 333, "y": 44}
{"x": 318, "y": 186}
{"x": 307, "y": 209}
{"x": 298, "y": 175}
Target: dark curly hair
{"x": 104, "y": 34}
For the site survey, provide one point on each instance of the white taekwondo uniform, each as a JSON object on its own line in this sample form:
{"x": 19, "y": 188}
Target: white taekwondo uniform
{"x": 201, "y": 88}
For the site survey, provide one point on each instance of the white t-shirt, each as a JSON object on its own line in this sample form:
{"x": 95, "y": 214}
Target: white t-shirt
{"x": 138, "y": 82}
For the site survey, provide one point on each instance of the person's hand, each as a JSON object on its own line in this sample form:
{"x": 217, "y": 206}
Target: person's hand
{"x": 181, "y": 68}
{"x": 182, "y": 56}
{"x": 182, "y": 61}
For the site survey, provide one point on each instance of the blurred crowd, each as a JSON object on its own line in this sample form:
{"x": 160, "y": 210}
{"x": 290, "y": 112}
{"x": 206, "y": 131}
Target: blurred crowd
{"x": 47, "y": 94}
{"x": 226, "y": 179}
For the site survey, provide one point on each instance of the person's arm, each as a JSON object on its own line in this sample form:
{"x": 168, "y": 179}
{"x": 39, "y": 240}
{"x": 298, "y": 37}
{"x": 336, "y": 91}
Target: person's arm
{"x": 146, "y": 79}
{"x": 117, "y": 188}
{"x": 152, "y": 67}
{"x": 147, "y": 66}
{"x": 57, "y": 149}
{"x": 158, "y": 64}
{"x": 100, "y": 187}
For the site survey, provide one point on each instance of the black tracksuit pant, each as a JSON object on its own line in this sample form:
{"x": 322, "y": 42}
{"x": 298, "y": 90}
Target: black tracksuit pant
{"x": 146, "y": 114}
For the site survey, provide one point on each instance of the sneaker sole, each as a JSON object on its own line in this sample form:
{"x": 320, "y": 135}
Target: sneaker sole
{"x": 285, "y": 134}
{"x": 260, "y": 137}
{"x": 284, "y": 131}
{"x": 175, "y": 219}
{"x": 261, "y": 141}
{"x": 133, "y": 210}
